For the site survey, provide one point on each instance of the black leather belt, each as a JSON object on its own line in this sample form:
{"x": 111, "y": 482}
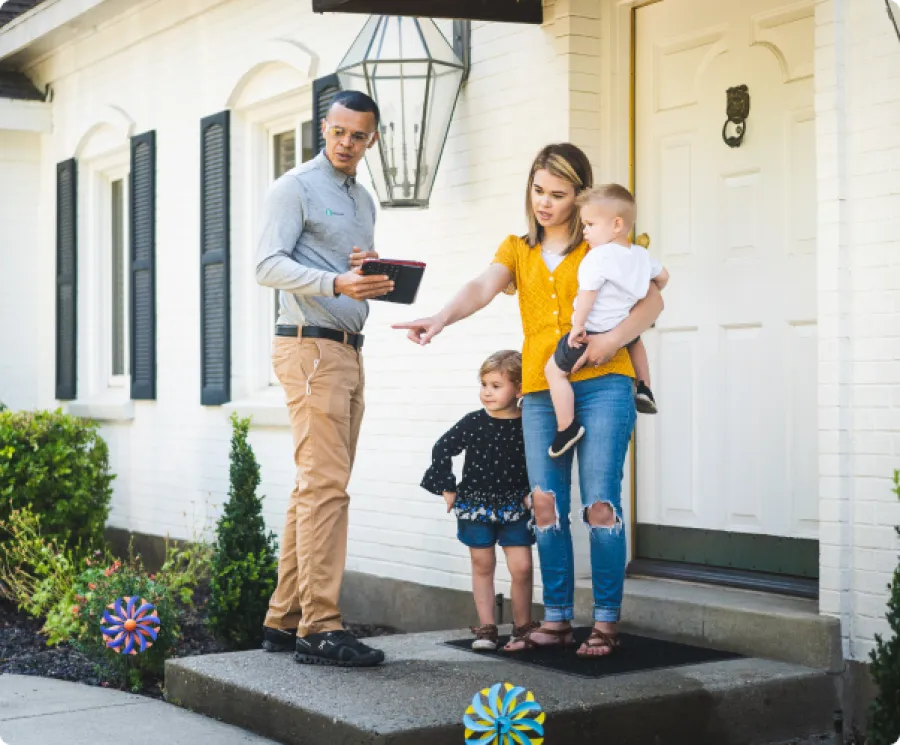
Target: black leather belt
{"x": 319, "y": 332}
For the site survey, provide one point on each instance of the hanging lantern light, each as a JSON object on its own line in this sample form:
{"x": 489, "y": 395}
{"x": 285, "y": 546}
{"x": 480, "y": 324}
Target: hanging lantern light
{"x": 412, "y": 72}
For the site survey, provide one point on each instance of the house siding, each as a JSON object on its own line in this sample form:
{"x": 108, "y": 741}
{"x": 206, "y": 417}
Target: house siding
{"x": 24, "y": 289}
{"x": 858, "y": 154}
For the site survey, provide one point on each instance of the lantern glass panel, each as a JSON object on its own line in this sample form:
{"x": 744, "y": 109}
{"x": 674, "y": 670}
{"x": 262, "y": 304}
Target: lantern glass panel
{"x": 439, "y": 48}
{"x": 359, "y": 50}
{"x": 403, "y": 94}
{"x": 443, "y": 92}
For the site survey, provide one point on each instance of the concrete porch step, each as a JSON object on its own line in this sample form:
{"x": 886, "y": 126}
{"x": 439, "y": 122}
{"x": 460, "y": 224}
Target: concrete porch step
{"x": 753, "y": 623}
{"x": 757, "y": 624}
{"x": 421, "y": 693}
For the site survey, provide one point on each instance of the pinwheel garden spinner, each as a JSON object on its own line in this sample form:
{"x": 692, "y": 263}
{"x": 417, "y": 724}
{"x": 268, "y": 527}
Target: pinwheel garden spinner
{"x": 130, "y": 625}
{"x": 504, "y": 714}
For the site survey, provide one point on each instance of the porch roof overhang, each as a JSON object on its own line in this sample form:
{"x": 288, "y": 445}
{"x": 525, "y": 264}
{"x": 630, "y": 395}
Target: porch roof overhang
{"x": 513, "y": 11}
{"x": 25, "y": 116}
{"x": 37, "y": 28}
{"x": 22, "y": 107}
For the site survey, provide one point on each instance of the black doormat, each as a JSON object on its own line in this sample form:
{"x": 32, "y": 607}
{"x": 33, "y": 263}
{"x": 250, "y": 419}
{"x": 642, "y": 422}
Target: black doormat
{"x": 636, "y": 653}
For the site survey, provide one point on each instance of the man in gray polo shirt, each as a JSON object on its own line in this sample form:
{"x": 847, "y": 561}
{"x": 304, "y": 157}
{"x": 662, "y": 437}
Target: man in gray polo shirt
{"x": 318, "y": 227}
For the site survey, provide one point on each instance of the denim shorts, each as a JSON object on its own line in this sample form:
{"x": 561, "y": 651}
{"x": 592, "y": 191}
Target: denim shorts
{"x": 486, "y": 535}
{"x": 566, "y": 356}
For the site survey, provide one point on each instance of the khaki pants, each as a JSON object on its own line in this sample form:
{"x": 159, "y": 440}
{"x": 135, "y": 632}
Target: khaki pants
{"x": 323, "y": 382}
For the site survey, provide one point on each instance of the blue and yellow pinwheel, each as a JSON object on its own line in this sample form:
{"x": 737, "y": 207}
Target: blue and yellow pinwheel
{"x": 504, "y": 714}
{"x": 130, "y": 625}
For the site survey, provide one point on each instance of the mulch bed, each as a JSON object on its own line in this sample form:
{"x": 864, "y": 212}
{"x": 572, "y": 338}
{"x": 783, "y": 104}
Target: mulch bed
{"x": 23, "y": 650}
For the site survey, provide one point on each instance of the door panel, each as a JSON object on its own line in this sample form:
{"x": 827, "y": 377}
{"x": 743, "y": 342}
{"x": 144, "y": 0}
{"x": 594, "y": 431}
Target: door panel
{"x": 733, "y": 358}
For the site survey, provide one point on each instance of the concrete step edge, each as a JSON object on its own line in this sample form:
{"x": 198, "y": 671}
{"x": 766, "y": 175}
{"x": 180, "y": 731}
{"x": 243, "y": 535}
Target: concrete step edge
{"x": 771, "y": 702}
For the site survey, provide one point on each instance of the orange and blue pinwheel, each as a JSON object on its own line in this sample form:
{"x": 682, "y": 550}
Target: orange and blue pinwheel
{"x": 504, "y": 714}
{"x": 130, "y": 625}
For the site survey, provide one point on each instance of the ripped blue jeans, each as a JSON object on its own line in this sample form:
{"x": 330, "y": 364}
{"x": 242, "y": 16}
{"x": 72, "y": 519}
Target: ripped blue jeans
{"x": 605, "y": 406}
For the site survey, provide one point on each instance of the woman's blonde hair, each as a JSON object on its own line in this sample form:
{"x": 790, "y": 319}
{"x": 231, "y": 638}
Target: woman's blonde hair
{"x": 568, "y": 162}
{"x": 507, "y": 362}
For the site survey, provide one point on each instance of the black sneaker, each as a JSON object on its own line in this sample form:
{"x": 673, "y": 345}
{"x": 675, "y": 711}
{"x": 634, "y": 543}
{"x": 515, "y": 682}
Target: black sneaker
{"x": 276, "y": 640}
{"x": 339, "y": 648}
{"x": 643, "y": 399}
{"x": 565, "y": 440}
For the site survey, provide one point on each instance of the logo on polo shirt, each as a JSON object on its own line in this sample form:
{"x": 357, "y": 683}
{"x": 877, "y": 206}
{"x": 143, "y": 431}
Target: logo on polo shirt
{"x": 331, "y": 213}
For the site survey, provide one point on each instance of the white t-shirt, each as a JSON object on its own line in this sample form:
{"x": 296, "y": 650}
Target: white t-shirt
{"x": 552, "y": 260}
{"x": 622, "y": 277}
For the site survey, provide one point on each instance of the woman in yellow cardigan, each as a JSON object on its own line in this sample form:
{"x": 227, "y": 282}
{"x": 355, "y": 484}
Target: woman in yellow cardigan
{"x": 543, "y": 267}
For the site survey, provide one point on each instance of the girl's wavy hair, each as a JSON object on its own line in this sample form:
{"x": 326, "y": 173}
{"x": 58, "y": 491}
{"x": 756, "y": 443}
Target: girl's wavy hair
{"x": 568, "y": 162}
{"x": 507, "y": 362}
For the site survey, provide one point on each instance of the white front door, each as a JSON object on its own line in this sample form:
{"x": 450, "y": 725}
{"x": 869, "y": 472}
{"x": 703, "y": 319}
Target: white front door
{"x": 733, "y": 357}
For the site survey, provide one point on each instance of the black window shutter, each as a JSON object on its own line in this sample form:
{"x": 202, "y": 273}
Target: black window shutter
{"x": 324, "y": 91}
{"x": 143, "y": 266}
{"x": 215, "y": 245}
{"x": 66, "y": 279}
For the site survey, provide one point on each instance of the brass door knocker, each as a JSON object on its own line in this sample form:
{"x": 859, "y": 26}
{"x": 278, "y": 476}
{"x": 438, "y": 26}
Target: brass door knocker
{"x": 737, "y": 110}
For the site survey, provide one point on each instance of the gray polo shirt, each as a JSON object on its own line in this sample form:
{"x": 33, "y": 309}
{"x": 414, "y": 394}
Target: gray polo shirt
{"x": 313, "y": 217}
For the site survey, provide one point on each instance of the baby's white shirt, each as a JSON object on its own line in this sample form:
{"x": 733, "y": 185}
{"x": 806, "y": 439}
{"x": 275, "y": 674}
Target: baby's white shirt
{"x": 621, "y": 275}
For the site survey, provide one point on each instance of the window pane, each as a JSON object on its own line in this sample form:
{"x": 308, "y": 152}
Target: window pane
{"x": 285, "y": 150}
{"x": 308, "y": 145}
{"x": 117, "y": 232}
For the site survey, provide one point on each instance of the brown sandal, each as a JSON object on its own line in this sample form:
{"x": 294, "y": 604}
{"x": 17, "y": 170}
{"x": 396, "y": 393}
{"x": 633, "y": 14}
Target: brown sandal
{"x": 486, "y": 637}
{"x": 609, "y": 640}
{"x": 563, "y": 638}
{"x": 519, "y": 631}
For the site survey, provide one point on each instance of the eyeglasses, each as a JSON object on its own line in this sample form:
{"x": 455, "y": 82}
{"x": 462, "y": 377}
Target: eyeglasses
{"x": 339, "y": 133}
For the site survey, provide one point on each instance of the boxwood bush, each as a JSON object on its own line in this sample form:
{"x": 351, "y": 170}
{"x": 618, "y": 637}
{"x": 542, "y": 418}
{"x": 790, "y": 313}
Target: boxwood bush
{"x": 59, "y": 465}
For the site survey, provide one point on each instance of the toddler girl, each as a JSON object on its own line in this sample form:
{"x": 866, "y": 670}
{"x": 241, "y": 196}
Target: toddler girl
{"x": 489, "y": 502}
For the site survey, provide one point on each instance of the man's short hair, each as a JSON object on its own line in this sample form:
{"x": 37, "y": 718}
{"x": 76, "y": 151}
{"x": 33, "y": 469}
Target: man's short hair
{"x": 616, "y": 194}
{"x": 357, "y": 101}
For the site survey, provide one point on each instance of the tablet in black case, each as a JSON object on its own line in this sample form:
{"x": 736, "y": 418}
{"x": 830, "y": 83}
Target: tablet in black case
{"x": 407, "y": 276}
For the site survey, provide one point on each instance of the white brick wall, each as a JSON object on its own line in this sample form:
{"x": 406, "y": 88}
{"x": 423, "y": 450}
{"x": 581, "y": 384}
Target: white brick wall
{"x": 20, "y": 192}
{"x": 858, "y": 129}
{"x": 164, "y": 67}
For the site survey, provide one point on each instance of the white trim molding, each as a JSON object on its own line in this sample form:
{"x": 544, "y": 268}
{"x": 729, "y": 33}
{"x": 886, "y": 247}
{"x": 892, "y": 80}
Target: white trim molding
{"x": 291, "y": 53}
{"x": 26, "y": 116}
{"x": 115, "y": 119}
{"x": 40, "y": 21}
{"x": 103, "y": 410}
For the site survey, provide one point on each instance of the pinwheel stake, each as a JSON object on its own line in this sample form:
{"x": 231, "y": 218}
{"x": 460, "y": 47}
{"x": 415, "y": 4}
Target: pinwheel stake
{"x": 130, "y": 625}
{"x": 504, "y": 714}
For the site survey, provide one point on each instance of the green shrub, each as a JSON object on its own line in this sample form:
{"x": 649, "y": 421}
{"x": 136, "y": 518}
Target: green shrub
{"x": 36, "y": 572}
{"x": 245, "y": 564}
{"x": 885, "y": 712}
{"x": 96, "y": 589}
{"x": 187, "y": 567}
{"x": 58, "y": 466}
